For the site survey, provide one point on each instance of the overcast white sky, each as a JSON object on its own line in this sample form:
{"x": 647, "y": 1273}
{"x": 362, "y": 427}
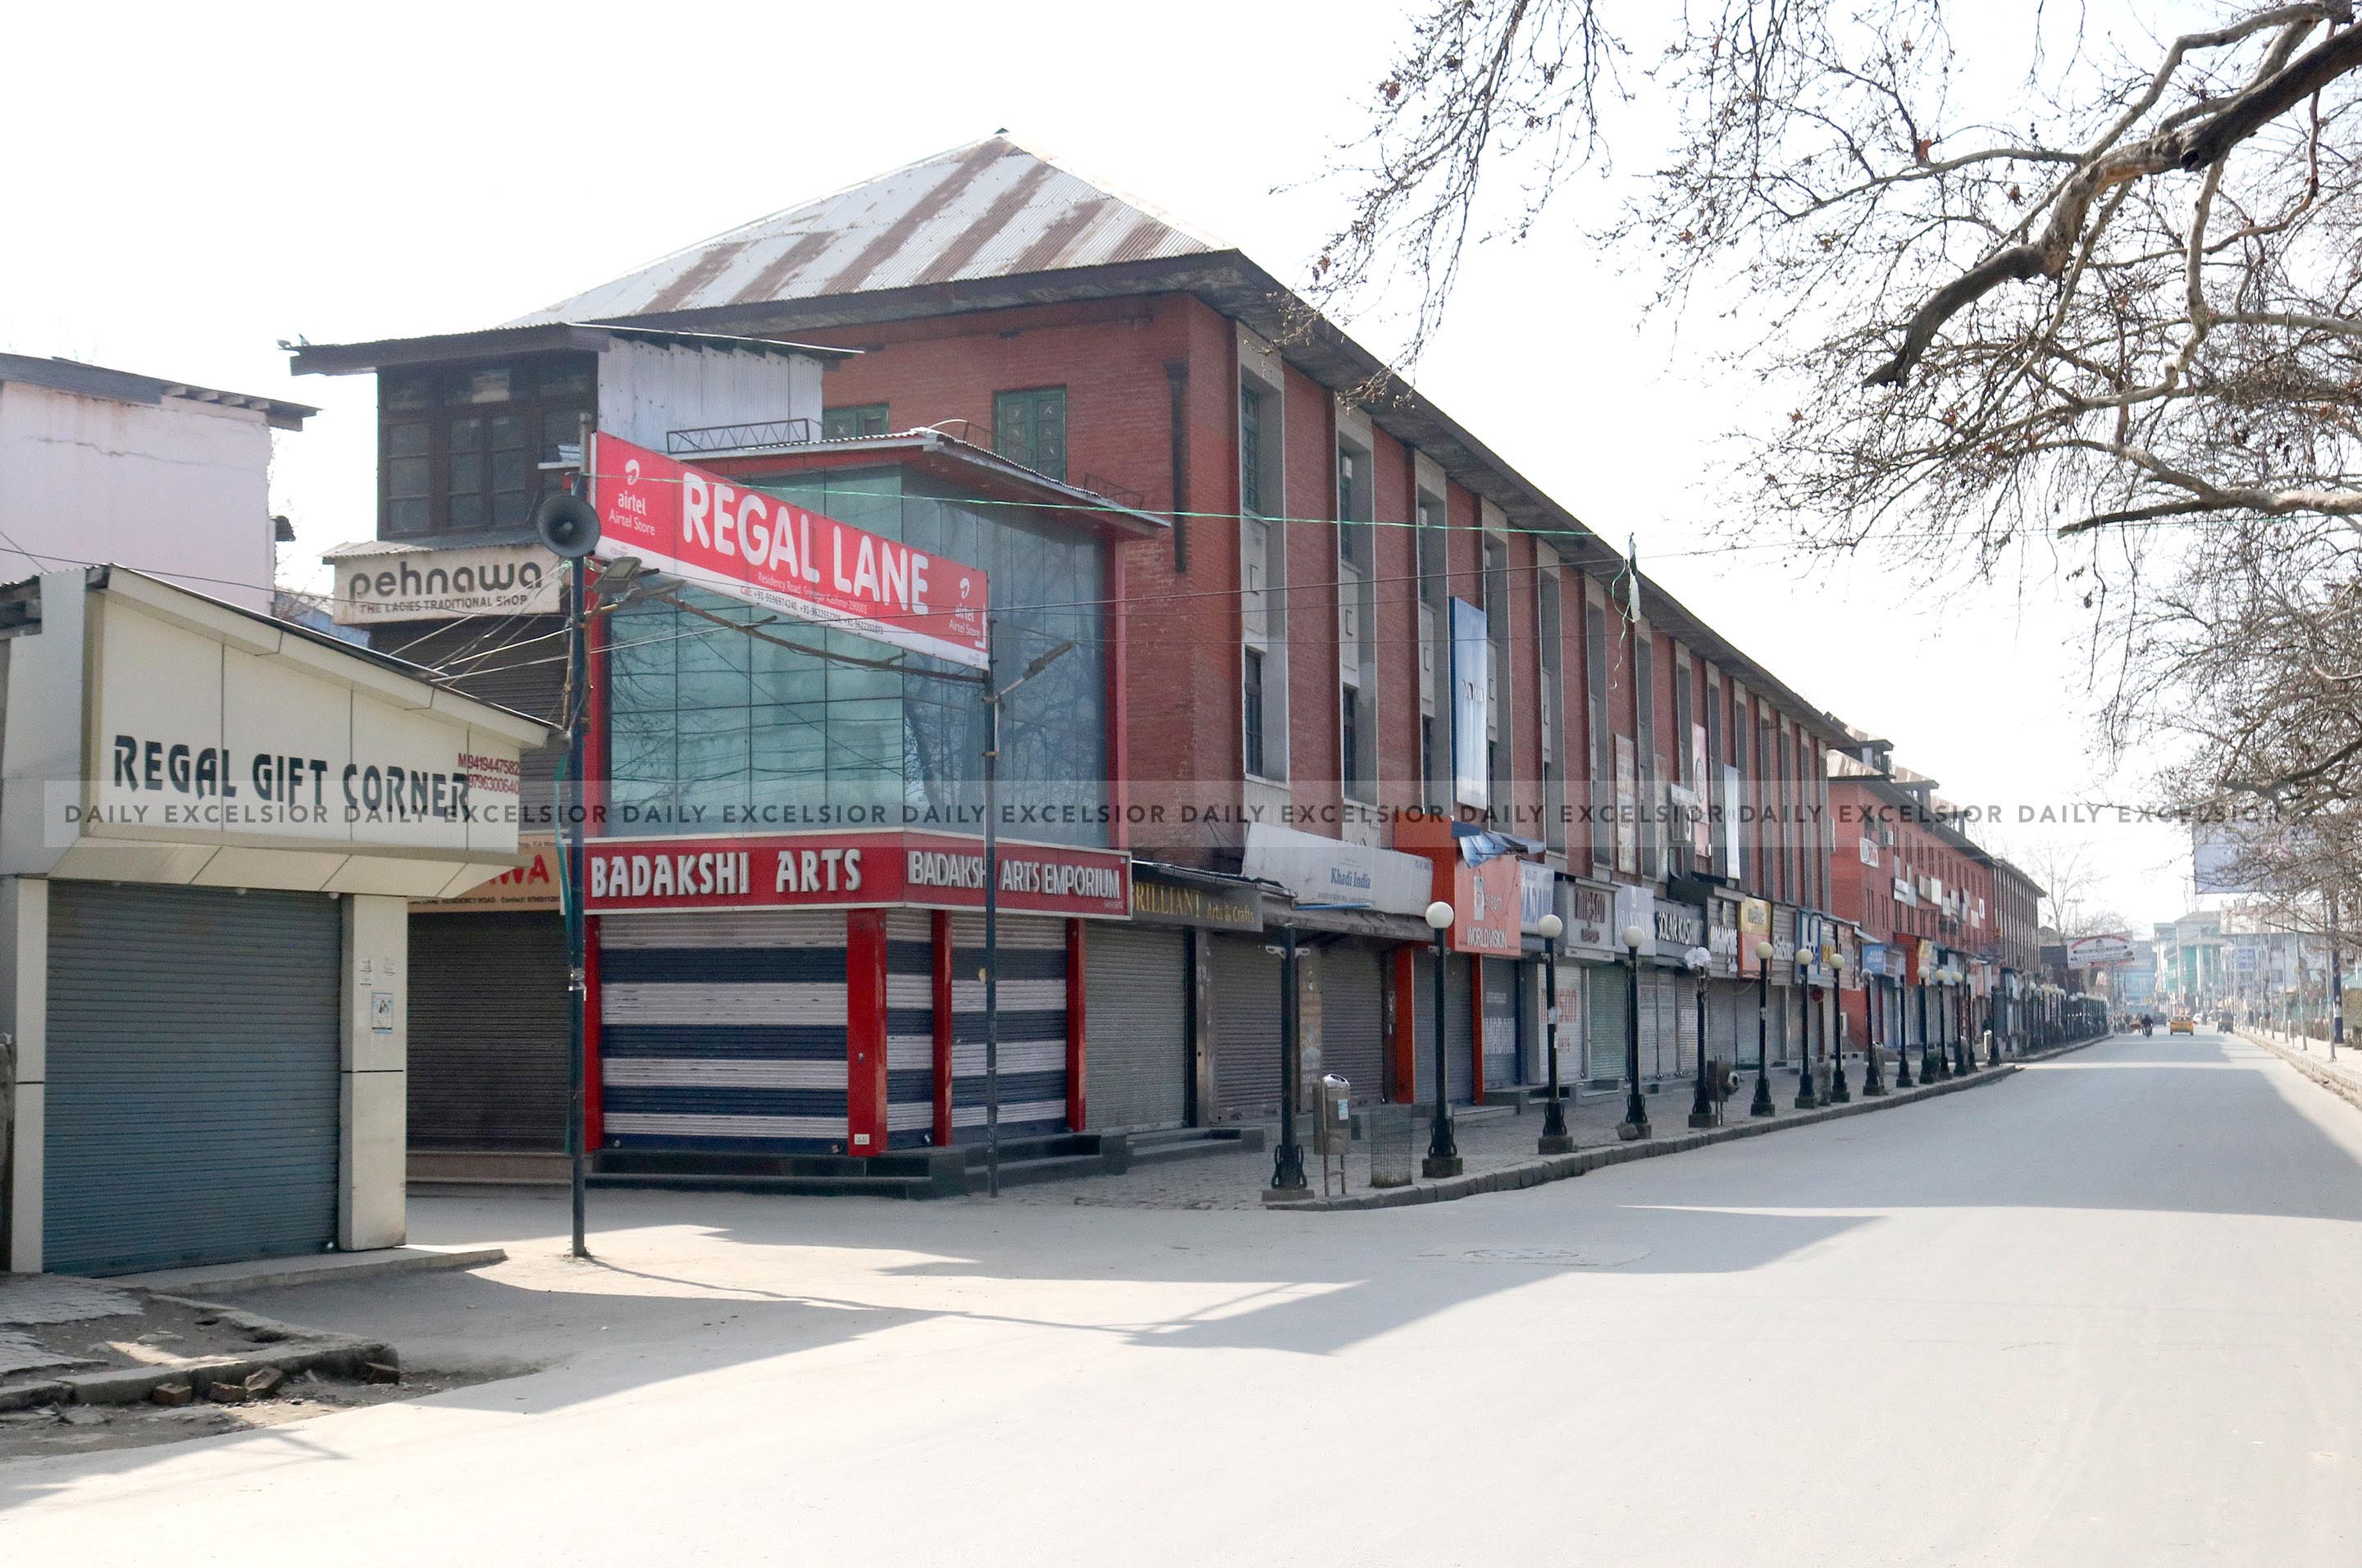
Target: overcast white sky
{"x": 186, "y": 185}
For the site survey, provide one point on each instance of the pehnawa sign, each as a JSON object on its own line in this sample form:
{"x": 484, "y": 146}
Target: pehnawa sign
{"x": 713, "y": 533}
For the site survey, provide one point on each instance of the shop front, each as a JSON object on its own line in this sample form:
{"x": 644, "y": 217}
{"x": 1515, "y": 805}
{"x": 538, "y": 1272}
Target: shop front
{"x": 1357, "y": 910}
{"x": 212, "y": 828}
{"x": 1587, "y": 955}
{"x": 1480, "y": 873}
{"x": 1147, "y": 987}
{"x": 825, "y": 993}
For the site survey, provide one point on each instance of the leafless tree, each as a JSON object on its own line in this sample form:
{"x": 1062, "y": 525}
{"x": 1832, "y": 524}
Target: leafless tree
{"x": 2100, "y": 291}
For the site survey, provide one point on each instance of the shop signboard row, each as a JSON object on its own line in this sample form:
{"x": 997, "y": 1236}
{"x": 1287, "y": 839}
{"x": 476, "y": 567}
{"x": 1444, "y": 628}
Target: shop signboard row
{"x": 850, "y": 870}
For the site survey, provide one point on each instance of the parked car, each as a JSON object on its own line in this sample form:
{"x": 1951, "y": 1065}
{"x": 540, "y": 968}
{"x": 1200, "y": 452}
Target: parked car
{"x": 2183, "y": 1024}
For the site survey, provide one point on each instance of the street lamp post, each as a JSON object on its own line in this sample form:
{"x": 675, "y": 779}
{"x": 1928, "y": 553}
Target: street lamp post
{"x": 1963, "y": 1059}
{"x": 1442, "y": 1147}
{"x": 1806, "y": 1099}
{"x": 1702, "y": 1096}
{"x": 1873, "y": 1074}
{"x": 1636, "y": 1109}
{"x": 1287, "y": 1180}
{"x": 1902, "y": 1018}
{"x": 1833, "y": 1031}
{"x": 1763, "y": 1105}
{"x": 1926, "y": 1042}
{"x": 1555, "y": 1138}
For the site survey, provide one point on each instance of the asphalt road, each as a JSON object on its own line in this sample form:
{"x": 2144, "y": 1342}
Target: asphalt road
{"x": 2107, "y": 1311}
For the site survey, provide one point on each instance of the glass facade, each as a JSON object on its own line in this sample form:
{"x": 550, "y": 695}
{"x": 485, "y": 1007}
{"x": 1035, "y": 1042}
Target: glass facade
{"x": 711, "y": 729}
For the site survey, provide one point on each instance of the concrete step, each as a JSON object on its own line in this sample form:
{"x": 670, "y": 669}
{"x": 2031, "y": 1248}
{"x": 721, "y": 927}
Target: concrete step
{"x": 793, "y": 1186}
{"x": 1189, "y": 1144}
{"x": 1026, "y": 1173}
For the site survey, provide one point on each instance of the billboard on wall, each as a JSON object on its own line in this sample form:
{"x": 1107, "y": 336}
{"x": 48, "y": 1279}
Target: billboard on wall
{"x": 1472, "y": 649}
{"x": 2086, "y": 952}
{"x": 713, "y": 533}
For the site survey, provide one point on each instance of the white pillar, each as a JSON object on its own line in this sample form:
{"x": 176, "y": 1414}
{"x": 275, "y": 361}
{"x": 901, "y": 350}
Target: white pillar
{"x": 374, "y": 1083}
{"x": 25, "y": 1016}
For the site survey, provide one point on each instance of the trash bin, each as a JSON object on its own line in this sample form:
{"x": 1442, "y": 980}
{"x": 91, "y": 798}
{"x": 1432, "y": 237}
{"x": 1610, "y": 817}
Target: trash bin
{"x": 1388, "y": 1130}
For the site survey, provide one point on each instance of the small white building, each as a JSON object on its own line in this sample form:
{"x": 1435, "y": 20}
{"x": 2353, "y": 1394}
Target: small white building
{"x": 166, "y": 478}
{"x": 212, "y": 824}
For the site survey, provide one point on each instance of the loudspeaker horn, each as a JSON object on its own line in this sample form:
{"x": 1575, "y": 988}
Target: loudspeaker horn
{"x": 568, "y": 525}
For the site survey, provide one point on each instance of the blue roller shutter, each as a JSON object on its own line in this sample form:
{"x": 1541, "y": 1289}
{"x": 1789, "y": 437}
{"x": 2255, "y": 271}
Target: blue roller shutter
{"x": 193, "y": 1066}
{"x": 1032, "y": 1026}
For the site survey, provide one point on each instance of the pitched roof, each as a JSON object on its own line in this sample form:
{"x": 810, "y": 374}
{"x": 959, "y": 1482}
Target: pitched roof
{"x": 991, "y": 209}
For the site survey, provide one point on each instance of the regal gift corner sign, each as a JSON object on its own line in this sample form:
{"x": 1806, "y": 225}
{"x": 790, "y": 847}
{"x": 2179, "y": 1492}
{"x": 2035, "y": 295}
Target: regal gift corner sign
{"x": 713, "y": 533}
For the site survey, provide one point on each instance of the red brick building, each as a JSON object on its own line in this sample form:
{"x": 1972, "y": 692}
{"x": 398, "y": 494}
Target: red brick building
{"x": 1359, "y": 611}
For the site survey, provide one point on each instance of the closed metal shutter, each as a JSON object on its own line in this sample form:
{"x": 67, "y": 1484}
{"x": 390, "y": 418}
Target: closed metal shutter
{"x": 1572, "y": 1015}
{"x": 1136, "y": 1004}
{"x": 1459, "y": 1029}
{"x": 1730, "y": 1022}
{"x": 1684, "y": 992}
{"x": 1246, "y": 1027}
{"x": 1033, "y": 1025}
{"x": 1610, "y": 1010}
{"x": 1500, "y": 980}
{"x": 487, "y": 1027}
{"x": 1653, "y": 1018}
{"x": 723, "y": 1032}
{"x": 910, "y": 1028}
{"x": 1354, "y": 1018}
{"x": 192, "y": 1068}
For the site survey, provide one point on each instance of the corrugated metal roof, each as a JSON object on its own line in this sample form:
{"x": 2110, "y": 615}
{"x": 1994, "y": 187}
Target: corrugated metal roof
{"x": 991, "y": 209}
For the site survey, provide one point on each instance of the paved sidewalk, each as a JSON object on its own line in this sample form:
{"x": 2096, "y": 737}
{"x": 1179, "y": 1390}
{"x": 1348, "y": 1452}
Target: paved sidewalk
{"x": 1492, "y": 1142}
{"x": 2311, "y": 1057}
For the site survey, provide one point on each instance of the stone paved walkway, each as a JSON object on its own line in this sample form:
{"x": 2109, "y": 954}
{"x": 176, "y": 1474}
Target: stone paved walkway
{"x": 1490, "y": 1139}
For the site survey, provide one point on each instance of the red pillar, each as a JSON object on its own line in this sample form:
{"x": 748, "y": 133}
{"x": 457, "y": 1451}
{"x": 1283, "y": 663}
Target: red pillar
{"x": 865, "y": 1032}
{"x": 942, "y": 933}
{"x": 1406, "y": 1024}
{"x": 1075, "y": 1054}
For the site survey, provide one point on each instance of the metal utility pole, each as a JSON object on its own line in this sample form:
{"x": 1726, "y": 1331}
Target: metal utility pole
{"x": 1287, "y": 1160}
{"x": 577, "y": 666}
{"x": 2336, "y": 982}
{"x": 993, "y": 700}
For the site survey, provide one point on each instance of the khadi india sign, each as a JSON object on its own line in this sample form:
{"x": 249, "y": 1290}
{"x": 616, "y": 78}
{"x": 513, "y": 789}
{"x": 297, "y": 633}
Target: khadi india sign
{"x": 712, "y": 534}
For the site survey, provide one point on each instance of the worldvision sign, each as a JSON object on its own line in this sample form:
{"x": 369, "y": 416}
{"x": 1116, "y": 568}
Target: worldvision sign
{"x": 850, "y": 870}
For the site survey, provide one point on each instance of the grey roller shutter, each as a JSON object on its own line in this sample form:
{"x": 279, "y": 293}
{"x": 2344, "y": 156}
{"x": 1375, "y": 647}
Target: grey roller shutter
{"x": 1685, "y": 1024}
{"x": 1246, "y": 1027}
{"x": 192, "y": 1075}
{"x": 1032, "y": 1026}
{"x": 724, "y": 1032}
{"x": 1729, "y": 1022}
{"x": 1610, "y": 1012}
{"x": 488, "y": 1032}
{"x": 1353, "y": 1020}
{"x": 1422, "y": 979}
{"x": 1459, "y": 1030}
{"x": 1135, "y": 1020}
{"x": 1500, "y": 980}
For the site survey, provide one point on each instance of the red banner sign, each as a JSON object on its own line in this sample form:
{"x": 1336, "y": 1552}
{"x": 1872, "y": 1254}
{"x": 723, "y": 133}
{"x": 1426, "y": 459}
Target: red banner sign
{"x": 852, "y": 870}
{"x": 713, "y": 533}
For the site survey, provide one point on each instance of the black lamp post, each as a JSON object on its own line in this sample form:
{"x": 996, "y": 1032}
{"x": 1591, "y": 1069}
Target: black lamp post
{"x": 1636, "y": 1109}
{"x": 1806, "y": 1099}
{"x": 1833, "y": 1031}
{"x": 1555, "y": 1138}
{"x": 1763, "y": 1105}
{"x": 1287, "y": 1183}
{"x": 1873, "y": 1077}
{"x": 1928, "y": 1074}
{"x": 1902, "y": 1018}
{"x": 1442, "y": 1147}
{"x": 1963, "y": 1059}
{"x": 1702, "y": 1098}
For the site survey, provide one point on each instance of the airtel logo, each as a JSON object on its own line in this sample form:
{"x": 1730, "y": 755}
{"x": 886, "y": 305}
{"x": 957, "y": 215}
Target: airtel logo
{"x": 632, "y": 471}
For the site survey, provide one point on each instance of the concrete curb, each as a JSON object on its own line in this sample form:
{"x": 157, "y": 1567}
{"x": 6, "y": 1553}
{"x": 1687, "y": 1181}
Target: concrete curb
{"x": 2343, "y": 1088}
{"x": 1560, "y": 1168}
{"x": 304, "y": 1350}
{"x": 278, "y": 1273}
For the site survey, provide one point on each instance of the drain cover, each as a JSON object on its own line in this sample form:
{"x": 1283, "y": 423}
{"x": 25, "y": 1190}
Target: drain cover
{"x": 1601, "y": 1256}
